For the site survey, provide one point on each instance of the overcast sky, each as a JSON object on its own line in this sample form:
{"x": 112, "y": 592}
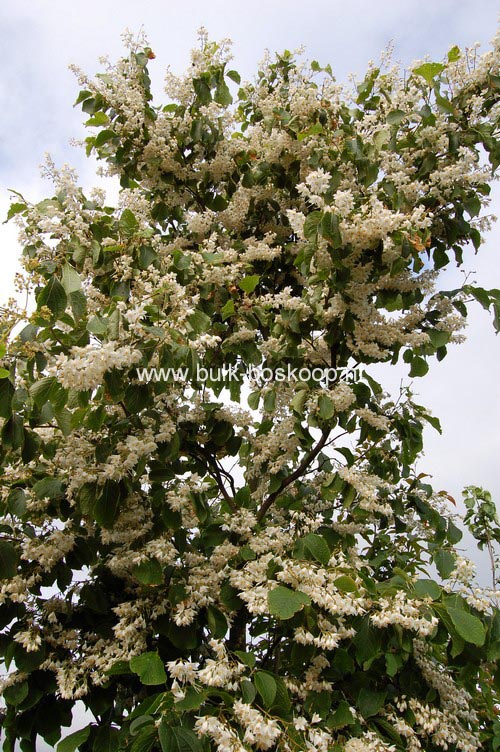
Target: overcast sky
{"x": 39, "y": 39}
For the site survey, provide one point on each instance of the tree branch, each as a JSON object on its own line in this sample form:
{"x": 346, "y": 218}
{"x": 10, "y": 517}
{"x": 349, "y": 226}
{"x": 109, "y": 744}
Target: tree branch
{"x": 295, "y": 475}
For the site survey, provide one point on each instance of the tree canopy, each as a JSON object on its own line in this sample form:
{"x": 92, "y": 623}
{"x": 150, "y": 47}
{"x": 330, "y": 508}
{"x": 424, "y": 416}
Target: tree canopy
{"x": 213, "y": 533}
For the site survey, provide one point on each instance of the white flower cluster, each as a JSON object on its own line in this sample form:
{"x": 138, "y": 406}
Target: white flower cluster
{"x": 86, "y": 367}
{"x": 407, "y": 612}
{"x": 260, "y": 732}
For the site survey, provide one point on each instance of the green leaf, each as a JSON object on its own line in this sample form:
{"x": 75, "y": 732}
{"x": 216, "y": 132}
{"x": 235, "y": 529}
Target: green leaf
{"x": 427, "y": 588}
{"x": 97, "y": 325}
{"x": 469, "y": 627}
{"x": 248, "y": 284}
{"x": 429, "y": 71}
{"x": 148, "y": 572}
{"x": 199, "y": 321}
{"x": 70, "y": 279}
{"x": 217, "y": 622}
{"x": 202, "y": 90}
{"x": 49, "y": 488}
{"x": 107, "y": 503}
{"x": 192, "y": 700}
{"x": 53, "y": 296}
{"x": 317, "y": 547}
{"x": 103, "y": 137}
{"x": 4, "y": 373}
{"x": 346, "y": 584}
{"x": 311, "y": 224}
{"x": 15, "y": 694}
{"x": 248, "y": 692}
{"x": 284, "y": 602}
{"x": 247, "y": 658}
{"x": 299, "y": 400}
{"x": 330, "y": 229}
{"x": 454, "y": 54}
{"x": 178, "y": 738}
{"x": 227, "y": 309}
{"x": 395, "y": 117}
{"x": 6, "y": 394}
{"x": 73, "y": 741}
{"x": 480, "y": 295}
{"x": 149, "y": 667}
{"x": 48, "y": 389}
{"x": 128, "y": 223}
{"x": 78, "y": 303}
{"x": 445, "y": 563}
{"x": 222, "y": 94}
{"x": 419, "y": 366}
{"x": 342, "y": 716}
{"x": 14, "y": 209}
{"x": 438, "y": 338}
{"x": 370, "y": 702}
{"x": 100, "y": 118}
{"x": 326, "y": 407}
{"x": 16, "y": 502}
{"x": 266, "y": 686}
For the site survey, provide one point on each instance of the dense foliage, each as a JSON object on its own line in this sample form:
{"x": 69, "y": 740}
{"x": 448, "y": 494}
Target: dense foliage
{"x": 244, "y": 560}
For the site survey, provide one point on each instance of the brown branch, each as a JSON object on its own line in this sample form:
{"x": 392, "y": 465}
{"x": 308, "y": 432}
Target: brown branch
{"x": 215, "y": 471}
{"x": 295, "y": 475}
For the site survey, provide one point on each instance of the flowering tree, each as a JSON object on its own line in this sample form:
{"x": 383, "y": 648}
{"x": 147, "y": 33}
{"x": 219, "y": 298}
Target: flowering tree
{"x": 213, "y": 533}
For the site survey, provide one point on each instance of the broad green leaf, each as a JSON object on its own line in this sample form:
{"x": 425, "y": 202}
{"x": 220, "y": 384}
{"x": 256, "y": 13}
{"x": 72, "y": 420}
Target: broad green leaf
{"x": 326, "y": 407}
{"x": 395, "y": 117}
{"x": 266, "y": 687}
{"x": 299, "y": 400}
{"x": 427, "y": 588}
{"x": 70, "y": 279}
{"x": 419, "y": 367}
{"x": 73, "y": 741}
{"x": 48, "y": 389}
{"x": 342, "y": 716}
{"x": 227, "y": 309}
{"x": 49, "y": 488}
{"x": 149, "y": 667}
{"x": 217, "y": 622}
{"x": 248, "y": 284}
{"x": 192, "y": 700}
{"x": 15, "y": 694}
{"x": 429, "y": 71}
{"x": 469, "y": 627}
{"x": 370, "y": 702}
{"x": 103, "y": 137}
{"x": 199, "y": 321}
{"x": 16, "y": 502}
{"x": 346, "y": 584}
{"x": 97, "y": 325}
{"x": 106, "y": 506}
{"x": 6, "y": 394}
{"x": 53, "y": 296}
{"x": 284, "y": 602}
{"x": 445, "y": 562}
{"x": 247, "y": 658}
{"x": 128, "y": 223}
{"x": 178, "y": 738}
{"x": 148, "y": 572}
{"x": 222, "y": 94}
{"x": 330, "y": 229}
{"x": 248, "y": 691}
{"x": 317, "y": 547}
